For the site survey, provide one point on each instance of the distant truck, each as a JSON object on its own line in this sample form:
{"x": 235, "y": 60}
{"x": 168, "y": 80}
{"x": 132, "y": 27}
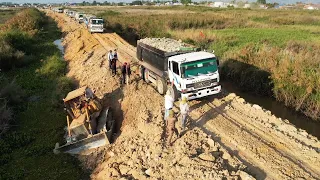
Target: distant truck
{"x": 94, "y": 24}
{"x": 71, "y": 14}
{"x": 186, "y": 73}
{"x": 59, "y": 10}
{"x": 79, "y": 17}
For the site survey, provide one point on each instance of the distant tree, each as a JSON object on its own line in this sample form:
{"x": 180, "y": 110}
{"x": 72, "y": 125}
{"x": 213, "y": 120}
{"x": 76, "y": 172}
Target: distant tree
{"x": 106, "y": 3}
{"x": 261, "y": 2}
{"x": 120, "y": 4}
{"x": 185, "y": 2}
{"x": 94, "y": 3}
{"x": 136, "y": 3}
{"x": 272, "y": 5}
{"x": 174, "y": 1}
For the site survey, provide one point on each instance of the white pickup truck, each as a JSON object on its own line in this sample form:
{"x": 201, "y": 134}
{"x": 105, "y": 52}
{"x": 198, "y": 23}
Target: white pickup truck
{"x": 185, "y": 73}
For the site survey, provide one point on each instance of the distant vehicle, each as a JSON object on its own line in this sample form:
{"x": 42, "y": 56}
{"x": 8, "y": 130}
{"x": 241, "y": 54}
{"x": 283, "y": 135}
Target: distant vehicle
{"x": 79, "y": 17}
{"x": 60, "y": 10}
{"x": 71, "y": 14}
{"x": 65, "y": 11}
{"x": 86, "y": 19}
{"x": 186, "y": 73}
{"x": 95, "y": 25}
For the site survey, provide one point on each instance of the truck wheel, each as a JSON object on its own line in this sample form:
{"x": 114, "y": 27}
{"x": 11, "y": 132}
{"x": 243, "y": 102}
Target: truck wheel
{"x": 161, "y": 86}
{"x": 174, "y": 92}
{"x": 146, "y": 76}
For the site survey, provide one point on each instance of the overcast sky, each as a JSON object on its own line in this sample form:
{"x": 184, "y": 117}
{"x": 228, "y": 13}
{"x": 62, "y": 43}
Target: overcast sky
{"x": 75, "y": 1}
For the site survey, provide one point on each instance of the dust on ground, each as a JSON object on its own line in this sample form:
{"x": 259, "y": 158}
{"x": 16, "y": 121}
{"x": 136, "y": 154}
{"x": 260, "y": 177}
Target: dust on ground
{"x": 226, "y": 136}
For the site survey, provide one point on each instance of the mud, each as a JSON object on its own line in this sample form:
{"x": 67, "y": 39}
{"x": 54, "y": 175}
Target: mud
{"x": 226, "y": 137}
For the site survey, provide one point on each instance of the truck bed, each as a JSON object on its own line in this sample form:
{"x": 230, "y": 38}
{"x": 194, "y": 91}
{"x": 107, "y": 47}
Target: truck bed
{"x": 155, "y": 57}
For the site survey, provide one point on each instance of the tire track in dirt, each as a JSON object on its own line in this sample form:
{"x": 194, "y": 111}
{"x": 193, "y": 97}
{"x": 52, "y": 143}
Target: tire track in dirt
{"x": 247, "y": 133}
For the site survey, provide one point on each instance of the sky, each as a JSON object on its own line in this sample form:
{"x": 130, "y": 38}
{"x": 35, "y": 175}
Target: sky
{"x": 75, "y": 1}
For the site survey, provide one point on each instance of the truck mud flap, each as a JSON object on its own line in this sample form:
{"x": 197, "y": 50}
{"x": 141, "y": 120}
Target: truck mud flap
{"x": 94, "y": 141}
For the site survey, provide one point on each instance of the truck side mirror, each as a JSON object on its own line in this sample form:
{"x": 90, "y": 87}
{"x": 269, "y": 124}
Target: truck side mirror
{"x": 218, "y": 63}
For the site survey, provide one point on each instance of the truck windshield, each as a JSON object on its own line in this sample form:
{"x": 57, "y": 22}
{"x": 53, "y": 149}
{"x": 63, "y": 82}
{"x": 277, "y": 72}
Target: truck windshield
{"x": 97, "y": 21}
{"x": 196, "y": 68}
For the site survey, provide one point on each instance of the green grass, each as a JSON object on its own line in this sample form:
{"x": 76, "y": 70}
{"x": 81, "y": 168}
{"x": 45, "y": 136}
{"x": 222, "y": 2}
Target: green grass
{"x": 7, "y": 14}
{"x": 230, "y": 40}
{"x": 27, "y": 148}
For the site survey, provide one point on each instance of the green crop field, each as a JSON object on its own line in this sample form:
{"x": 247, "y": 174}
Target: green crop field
{"x": 266, "y": 52}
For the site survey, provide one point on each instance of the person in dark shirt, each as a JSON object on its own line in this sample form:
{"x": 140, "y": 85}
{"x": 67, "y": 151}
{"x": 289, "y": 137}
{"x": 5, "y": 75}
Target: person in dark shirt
{"x": 124, "y": 72}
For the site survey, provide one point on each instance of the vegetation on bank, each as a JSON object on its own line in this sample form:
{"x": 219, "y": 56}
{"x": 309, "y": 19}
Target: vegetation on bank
{"x": 6, "y": 14}
{"x": 269, "y": 53}
{"x": 32, "y": 85}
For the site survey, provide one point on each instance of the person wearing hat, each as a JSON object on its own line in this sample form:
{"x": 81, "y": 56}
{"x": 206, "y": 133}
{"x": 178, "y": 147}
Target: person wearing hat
{"x": 168, "y": 104}
{"x": 184, "y": 110}
{"x": 171, "y": 128}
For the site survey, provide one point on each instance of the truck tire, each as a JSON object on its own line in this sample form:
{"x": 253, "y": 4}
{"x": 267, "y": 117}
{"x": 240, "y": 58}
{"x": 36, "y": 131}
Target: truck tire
{"x": 161, "y": 86}
{"x": 146, "y": 76}
{"x": 174, "y": 92}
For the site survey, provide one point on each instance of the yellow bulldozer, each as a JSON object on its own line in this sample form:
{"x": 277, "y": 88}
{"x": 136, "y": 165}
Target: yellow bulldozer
{"x": 89, "y": 123}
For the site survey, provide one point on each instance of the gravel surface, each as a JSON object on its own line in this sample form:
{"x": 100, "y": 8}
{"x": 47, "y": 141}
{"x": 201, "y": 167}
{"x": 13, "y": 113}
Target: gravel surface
{"x": 165, "y": 44}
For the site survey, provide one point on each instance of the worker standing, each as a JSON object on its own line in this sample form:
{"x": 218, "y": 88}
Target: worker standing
{"x": 115, "y": 54}
{"x": 168, "y": 104}
{"x": 184, "y": 110}
{"x": 124, "y": 72}
{"x": 110, "y": 58}
{"x": 128, "y": 71}
{"x": 114, "y": 66}
{"x": 171, "y": 128}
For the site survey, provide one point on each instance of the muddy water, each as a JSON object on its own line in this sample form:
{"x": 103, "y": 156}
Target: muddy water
{"x": 278, "y": 109}
{"x": 58, "y": 43}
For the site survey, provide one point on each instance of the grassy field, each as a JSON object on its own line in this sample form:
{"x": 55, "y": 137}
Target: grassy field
{"x": 32, "y": 86}
{"x": 6, "y": 14}
{"x": 266, "y": 52}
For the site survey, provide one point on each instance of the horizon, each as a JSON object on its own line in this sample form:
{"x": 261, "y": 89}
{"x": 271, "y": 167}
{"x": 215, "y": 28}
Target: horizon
{"x": 128, "y": 1}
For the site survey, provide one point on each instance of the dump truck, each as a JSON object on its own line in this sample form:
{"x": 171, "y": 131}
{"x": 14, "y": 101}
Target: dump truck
{"x": 89, "y": 123}
{"x": 184, "y": 71}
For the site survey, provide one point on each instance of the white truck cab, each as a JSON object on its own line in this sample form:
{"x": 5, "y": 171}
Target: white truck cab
{"x": 194, "y": 74}
{"x": 95, "y": 25}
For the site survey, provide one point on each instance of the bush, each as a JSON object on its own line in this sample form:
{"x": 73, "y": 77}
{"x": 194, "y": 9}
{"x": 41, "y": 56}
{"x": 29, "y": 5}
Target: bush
{"x": 294, "y": 73}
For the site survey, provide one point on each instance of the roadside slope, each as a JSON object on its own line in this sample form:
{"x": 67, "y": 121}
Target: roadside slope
{"x": 268, "y": 146}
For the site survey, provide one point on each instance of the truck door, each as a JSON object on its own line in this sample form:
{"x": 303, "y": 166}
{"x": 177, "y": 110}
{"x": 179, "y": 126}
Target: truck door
{"x": 174, "y": 73}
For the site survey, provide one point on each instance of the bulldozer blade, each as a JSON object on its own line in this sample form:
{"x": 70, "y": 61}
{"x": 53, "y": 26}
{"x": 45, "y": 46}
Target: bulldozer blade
{"x": 94, "y": 141}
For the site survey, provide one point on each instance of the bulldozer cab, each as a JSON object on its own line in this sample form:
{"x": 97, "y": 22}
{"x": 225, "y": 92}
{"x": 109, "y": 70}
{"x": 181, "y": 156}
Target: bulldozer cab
{"x": 89, "y": 124}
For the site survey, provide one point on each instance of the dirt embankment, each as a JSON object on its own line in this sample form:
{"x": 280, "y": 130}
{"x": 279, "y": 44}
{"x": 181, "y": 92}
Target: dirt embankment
{"x": 226, "y": 136}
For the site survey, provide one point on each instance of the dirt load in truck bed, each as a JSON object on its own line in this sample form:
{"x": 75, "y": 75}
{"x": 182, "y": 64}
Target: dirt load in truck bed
{"x": 165, "y": 44}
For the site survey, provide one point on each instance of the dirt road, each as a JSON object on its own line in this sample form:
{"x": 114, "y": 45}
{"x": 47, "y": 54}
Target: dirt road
{"x": 226, "y": 136}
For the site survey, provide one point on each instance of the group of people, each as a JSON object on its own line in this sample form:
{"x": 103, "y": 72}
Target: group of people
{"x": 125, "y": 69}
{"x": 170, "y": 117}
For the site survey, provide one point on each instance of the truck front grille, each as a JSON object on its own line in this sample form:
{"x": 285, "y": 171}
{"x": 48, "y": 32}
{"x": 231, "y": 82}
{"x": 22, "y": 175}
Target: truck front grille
{"x": 202, "y": 84}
